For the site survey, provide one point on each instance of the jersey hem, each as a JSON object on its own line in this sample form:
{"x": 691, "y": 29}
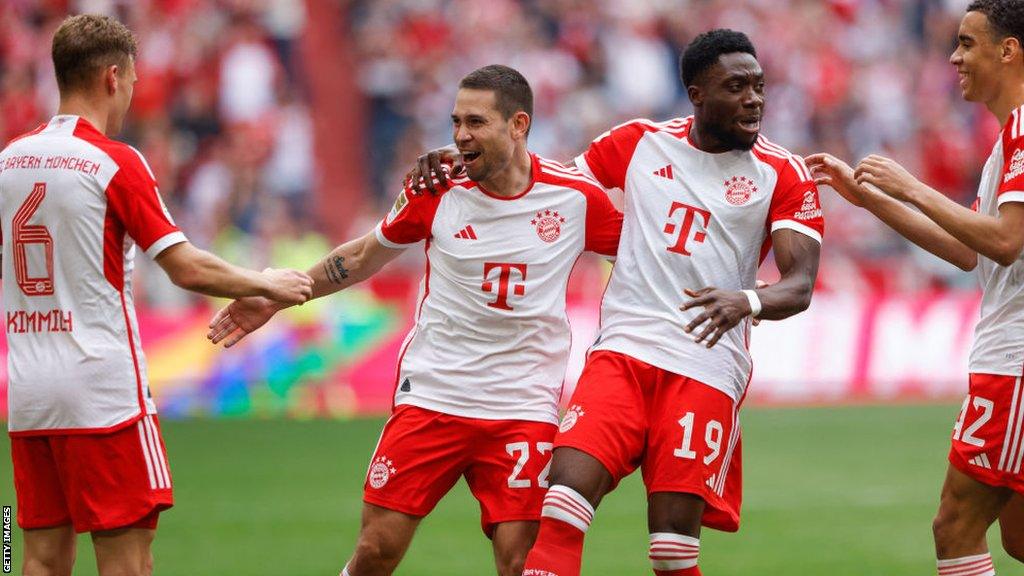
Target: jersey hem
{"x": 727, "y": 389}
{"x": 551, "y": 418}
{"x": 1016, "y": 373}
{"x": 78, "y": 431}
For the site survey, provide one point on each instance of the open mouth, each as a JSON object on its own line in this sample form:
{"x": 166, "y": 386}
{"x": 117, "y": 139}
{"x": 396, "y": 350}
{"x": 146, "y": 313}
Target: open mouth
{"x": 750, "y": 123}
{"x": 469, "y": 157}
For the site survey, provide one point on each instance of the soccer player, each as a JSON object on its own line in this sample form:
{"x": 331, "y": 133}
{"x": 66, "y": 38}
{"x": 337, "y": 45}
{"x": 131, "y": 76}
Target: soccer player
{"x": 86, "y": 445}
{"x": 480, "y": 374}
{"x": 984, "y": 481}
{"x": 706, "y": 198}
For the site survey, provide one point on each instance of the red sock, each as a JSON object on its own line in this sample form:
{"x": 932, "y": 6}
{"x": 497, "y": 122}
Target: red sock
{"x": 564, "y": 521}
{"x": 674, "y": 554}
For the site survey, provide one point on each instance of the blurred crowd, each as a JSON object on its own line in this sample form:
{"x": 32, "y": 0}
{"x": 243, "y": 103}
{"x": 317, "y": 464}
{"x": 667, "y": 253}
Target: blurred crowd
{"x": 851, "y": 77}
{"x": 222, "y": 109}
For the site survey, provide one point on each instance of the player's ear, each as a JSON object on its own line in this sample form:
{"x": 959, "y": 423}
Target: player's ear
{"x": 111, "y": 78}
{"x": 1010, "y": 48}
{"x": 696, "y": 94}
{"x": 520, "y": 124}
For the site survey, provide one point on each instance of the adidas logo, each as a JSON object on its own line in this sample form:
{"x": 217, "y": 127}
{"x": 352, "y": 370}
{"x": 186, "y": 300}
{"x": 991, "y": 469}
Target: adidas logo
{"x": 982, "y": 461}
{"x": 665, "y": 172}
{"x": 466, "y": 233}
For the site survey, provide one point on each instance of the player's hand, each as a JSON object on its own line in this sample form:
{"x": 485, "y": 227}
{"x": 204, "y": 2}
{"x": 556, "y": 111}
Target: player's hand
{"x": 886, "y": 175}
{"x": 430, "y": 172}
{"x": 288, "y": 286}
{"x": 723, "y": 310}
{"x": 236, "y": 320}
{"x": 833, "y": 172}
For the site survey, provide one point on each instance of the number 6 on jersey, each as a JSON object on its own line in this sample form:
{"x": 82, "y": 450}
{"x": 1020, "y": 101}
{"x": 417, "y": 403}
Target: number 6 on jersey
{"x": 25, "y": 234}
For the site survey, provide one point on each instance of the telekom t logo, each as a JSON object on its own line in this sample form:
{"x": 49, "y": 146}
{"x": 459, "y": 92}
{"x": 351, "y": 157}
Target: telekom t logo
{"x": 504, "y": 279}
{"x": 686, "y": 226}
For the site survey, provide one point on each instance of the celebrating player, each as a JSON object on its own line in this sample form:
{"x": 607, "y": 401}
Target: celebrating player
{"x": 86, "y": 445}
{"x": 480, "y": 374}
{"x": 706, "y": 197}
{"x": 984, "y": 481}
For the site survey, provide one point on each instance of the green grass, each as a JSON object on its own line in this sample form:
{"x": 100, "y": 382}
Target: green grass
{"x": 828, "y": 491}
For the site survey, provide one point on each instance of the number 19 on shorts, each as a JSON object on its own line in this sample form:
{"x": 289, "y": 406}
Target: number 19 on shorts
{"x": 713, "y": 433}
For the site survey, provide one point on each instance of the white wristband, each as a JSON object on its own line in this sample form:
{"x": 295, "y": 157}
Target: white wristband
{"x": 755, "y": 303}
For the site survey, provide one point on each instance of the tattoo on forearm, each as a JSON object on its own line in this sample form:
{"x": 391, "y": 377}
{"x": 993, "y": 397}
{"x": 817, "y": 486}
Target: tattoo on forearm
{"x": 335, "y": 269}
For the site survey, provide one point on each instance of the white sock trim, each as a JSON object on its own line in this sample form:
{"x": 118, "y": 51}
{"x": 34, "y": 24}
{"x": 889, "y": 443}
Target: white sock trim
{"x": 976, "y": 565}
{"x": 670, "y": 551}
{"x": 565, "y": 504}
{"x": 344, "y": 571}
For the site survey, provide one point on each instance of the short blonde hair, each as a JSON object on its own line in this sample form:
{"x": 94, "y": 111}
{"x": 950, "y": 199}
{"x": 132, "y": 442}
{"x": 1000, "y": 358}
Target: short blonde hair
{"x": 86, "y": 44}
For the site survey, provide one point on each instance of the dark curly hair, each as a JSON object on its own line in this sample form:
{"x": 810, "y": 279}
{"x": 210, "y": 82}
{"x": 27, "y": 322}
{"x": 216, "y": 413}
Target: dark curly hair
{"x": 704, "y": 50}
{"x": 1006, "y": 17}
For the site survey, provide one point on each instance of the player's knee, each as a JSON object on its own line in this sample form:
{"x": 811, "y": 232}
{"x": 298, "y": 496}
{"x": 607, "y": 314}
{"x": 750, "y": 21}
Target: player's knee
{"x": 45, "y": 567}
{"x": 49, "y": 561}
{"x": 375, "y": 555}
{"x": 947, "y": 529}
{"x": 511, "y": 563}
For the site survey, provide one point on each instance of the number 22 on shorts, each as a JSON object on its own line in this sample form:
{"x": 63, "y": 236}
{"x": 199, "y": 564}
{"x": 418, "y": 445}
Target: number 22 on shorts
{"x": 712, "y": 439}
{"x": 523, "y": 450}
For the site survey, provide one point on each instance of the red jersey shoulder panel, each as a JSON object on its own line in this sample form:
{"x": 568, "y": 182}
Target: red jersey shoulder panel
{"x": 33, "y": 132}
{"x": 132, "y": 195}
{"x": 604, "y": 222}
{"x": 1011, "y": 179}
{"x": 609, "y": 155}
{"x": 412, "y": 216}
{"x": 795, "y": 198}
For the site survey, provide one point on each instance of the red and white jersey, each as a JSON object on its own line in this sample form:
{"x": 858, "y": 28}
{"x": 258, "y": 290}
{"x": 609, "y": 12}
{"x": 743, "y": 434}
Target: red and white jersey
{"x": 692, "y": 220}
{"x": 491, "y": 338}
{"x": 999, "y": 336}
{"x": 73, "y": 205}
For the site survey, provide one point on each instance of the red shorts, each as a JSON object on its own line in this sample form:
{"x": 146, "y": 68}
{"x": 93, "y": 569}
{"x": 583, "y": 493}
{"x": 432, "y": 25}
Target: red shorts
{"x": 683, "y": 434}
{"x": 422, "y": 454}
{"x": 988, "y": 438}
{"x": 92, "y": 481}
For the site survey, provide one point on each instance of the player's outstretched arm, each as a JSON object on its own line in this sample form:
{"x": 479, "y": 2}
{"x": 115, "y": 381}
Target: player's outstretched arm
{"x": 998, "y": 238}
{"x": 911, "y": 224}
{"x": 200, "y": 271}
{"x": 348, "y": 264}
{"x": 428, "y": 173}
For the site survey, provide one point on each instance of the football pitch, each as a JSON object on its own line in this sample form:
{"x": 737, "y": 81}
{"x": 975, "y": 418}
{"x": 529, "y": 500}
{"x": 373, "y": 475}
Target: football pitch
{"x": 828, "y": 491}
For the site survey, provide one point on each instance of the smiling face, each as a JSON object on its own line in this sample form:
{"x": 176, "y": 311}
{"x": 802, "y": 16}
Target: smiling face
{"x": 486, "y": 139}
{"x": 977, "y": 58}
{"x": 729, "y": 100}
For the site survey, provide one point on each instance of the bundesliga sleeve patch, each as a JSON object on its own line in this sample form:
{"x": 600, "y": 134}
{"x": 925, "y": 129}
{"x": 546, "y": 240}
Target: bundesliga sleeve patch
{"x": 1016, "y": 166}
{"x": 400, "y": 203}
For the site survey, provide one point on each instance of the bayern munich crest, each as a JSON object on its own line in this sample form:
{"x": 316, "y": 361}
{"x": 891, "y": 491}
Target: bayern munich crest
{"x": 548, "y": 224}
{"x": 381, "y": 470}
{"x": 572, "y": 416}
{"x": 739, "y": 189}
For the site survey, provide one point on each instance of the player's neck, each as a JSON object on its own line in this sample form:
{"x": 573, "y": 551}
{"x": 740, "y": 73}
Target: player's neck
{"x": 514, "y": 179}
{"x": 84, "y": 107}
{"x": 1008, "y": 99}
{"x": 705, "y": 141}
